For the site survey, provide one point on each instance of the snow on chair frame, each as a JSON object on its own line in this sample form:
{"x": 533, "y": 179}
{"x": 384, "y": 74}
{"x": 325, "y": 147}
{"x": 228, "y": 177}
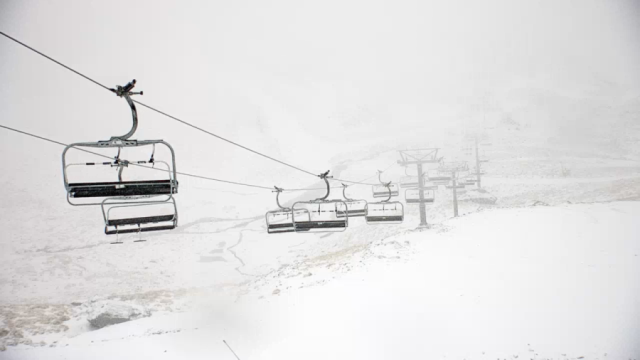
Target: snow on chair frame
{"x": 352, "y": 207}
{"x": 385, "y": 212}
{"x": 281, "y": 220}
{"x": 322, "y": 213}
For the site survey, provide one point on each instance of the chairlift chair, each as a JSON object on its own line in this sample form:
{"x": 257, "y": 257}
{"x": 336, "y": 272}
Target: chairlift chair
{"x": 319, "y": 215}
{"x": 281, "y": 220}
{"x": 429, "y": 186}
{"x": 458, "y": 186}
{"x": 352, "y": 207}
{"x": 120, "y": 188}
{"x": 469, "y": 181}
{"x": 383, "y": 189}
{"x": 122, "y": 194}
{"x": 439, "y": 178}
{"x": 385, "y": 211}
{"x": 412, "y": 196}
{"x": 409, "y": 182}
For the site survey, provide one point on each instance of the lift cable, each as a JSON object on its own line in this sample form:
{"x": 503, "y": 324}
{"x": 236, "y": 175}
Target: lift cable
{"x": 179, "y": 120}
{"x": 152, "y": 168}
{"x": 139, "y": 165}
{"x": 158, "y": 111}
{"x": 55, "y": 61}
{"x": 362, "y": 182}
{"x": 223, "y": 139}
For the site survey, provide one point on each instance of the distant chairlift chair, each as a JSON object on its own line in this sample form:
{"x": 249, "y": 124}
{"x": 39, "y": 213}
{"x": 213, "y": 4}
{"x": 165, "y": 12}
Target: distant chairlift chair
{"x": 409, "y": 182}
{"x": 126, "y": 194}
{"x": 412, "y": 196}
{"x": 123, "y": 225}
{"x": 458, "y": 186}
{"x": 352, "y": 207}
{"x": 322, "y": 214}
{"x": 427, "y": 185}
{"x": 281, "y": 220}
{"x": 469, "y": 180}
{"x": 384, "y": 189}
{"x": 385, "y": 211}
{"x": 439, "y": 178}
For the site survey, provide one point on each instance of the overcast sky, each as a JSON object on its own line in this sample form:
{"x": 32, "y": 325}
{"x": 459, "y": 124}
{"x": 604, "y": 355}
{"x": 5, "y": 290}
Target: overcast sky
{"x": 298, "y": 78}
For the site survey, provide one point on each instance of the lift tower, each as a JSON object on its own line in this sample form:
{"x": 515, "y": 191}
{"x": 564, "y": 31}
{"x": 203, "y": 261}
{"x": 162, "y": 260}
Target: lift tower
{"x": 454, "y": 168}
{"x": 477, "y": 171}
{"x": 419, "y": 157}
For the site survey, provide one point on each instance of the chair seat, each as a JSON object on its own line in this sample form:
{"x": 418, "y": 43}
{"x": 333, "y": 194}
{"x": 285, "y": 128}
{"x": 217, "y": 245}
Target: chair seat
{"x": 359, "y": 212}
{"x": 306, "y": 225}
{"x": 280, "y": 228}
{"x": 384, "y": 218}
{"x": 122, "y": 188}
{"x": 413, "y": 201}
{"x": 140, "y": 220}
{"x": 384, "y": 194}
{"x": 144, "y": 229}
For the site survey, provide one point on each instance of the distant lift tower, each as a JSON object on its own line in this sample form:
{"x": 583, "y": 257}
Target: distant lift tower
{"x": 478, "y": 169}
{"x": 418, "y": 157}
{"x": 454, "y": 168}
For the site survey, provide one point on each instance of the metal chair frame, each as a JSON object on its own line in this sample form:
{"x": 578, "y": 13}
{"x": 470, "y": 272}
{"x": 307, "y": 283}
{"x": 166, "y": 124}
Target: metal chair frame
{"x": 111, "y": 225}
{"x": 415, "y": 199}
{"x": 373, "y": 219}
{"x": 120, "y": 188}
{"x": 314, "y": 225}
{"x": 354, "y": 208}
{"x": 287, "y": 213}
{"x": 385, "y": 189}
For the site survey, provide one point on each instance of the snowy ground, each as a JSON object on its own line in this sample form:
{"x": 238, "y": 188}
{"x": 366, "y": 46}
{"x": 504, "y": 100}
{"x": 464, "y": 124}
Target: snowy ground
{"x": 541, "y": 282}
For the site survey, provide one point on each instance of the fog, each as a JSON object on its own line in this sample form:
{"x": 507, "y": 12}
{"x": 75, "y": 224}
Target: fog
{"x": 285, "y": 76}
{"x": 545, "y": 251}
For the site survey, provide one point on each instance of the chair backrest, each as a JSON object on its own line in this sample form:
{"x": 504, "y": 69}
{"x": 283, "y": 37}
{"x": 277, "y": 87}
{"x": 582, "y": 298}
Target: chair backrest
{"x": 385, "y": 213}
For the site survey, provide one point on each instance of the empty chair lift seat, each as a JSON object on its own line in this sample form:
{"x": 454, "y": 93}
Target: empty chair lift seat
{"x": 409, "y": 182}
{"x": 329, "y": 225}
{"x": 458, "y": 186}
{"x": 319, "y": 216}
{"x": 412, "y": 196}
{"x": 122, "y": 188}
{"x": 281, "y": 221}
{"x": 353, "y": 208}
{"x": 385, "y": 213}
{"x": 139, "y": 221}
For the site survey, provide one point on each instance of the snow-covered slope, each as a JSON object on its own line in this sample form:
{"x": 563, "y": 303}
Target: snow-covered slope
{"x": 535, "y": 283}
